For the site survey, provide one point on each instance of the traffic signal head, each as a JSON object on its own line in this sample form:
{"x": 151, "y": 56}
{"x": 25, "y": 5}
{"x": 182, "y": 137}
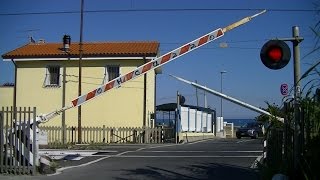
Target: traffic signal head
{"x": 275, "y": 54}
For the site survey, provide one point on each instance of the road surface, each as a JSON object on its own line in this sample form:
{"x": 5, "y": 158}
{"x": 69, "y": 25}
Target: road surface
{"x": 208, "y": 159}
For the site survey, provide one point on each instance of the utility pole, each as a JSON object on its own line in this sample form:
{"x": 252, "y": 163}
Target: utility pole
{"x": 80, "y": 73}
{"x": 297, "y": 97}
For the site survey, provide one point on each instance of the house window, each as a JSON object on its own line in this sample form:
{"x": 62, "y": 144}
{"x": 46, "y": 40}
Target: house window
{"x": 52, "y": 76}
{"x": 110, "y": 73}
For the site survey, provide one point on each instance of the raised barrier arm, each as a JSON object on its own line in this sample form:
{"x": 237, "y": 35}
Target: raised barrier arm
{"x": 155, "y": 63}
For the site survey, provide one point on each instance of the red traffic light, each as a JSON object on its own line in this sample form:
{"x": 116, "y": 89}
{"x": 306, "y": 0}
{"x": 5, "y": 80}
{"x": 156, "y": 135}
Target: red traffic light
{"x": 275, "y": 54}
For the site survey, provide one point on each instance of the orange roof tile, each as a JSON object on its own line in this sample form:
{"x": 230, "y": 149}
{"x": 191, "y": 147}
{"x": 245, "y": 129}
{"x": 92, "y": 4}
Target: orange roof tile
{"x": 92, "y": 49}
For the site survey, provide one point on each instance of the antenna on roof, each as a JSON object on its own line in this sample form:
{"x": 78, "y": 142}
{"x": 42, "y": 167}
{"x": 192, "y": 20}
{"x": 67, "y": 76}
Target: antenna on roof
{"x": 31, "y": 38}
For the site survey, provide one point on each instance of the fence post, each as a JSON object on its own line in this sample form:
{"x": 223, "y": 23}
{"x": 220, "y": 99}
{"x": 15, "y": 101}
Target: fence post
{"x": 265, "y": 148}
{"x": 35, "y": 143}
{"x": 2, "y": 155}
{"x": 72, "y": 130}
{"x": 134, "y": 136}
{"x": 146, "y": 135}
{"x": 232, "y": 130}
{"x": 162, "y": 134}
{"x": 64, "y": 134}
{"x": 104, "y": 133}
{"x": 111, "y": 136}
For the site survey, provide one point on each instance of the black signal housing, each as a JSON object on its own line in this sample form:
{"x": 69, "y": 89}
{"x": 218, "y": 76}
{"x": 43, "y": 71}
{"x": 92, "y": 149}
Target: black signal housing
{"x": 275, "y": 54}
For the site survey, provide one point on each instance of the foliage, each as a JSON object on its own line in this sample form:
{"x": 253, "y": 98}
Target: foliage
{"x": 272, "y": 121}
{"x": 311, "y": 103}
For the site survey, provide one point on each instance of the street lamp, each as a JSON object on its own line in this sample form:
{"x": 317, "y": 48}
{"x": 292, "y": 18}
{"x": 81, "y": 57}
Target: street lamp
{"x": 222, "y": 72}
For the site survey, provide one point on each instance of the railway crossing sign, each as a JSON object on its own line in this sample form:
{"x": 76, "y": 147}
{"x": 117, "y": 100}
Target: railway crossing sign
{"x": 284, "y": 89}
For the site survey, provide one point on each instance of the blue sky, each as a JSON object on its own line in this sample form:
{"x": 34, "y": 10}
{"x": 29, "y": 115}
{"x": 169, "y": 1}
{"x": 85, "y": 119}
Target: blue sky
{"x": 246, "y": 79}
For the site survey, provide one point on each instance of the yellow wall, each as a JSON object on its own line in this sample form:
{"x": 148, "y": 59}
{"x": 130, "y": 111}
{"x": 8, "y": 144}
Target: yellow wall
{"x": 121, "y": 107}
{"x": 6, "y": 96}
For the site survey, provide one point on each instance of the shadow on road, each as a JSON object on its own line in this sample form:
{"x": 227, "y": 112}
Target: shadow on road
{"x": 195, "y": 171}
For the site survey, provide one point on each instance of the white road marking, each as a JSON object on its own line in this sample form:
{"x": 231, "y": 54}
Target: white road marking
{"x": 60, "y": 170}
{"x": 140, "y": 149}
{"x": 56, "y": 151}
{"x": 121, "y": 155}
{"x": 137, "y": 156}
{"x": 247, "y": 140}
{"x": 199, "y": 141}
{"x": 204, "y": 151}
{"x": 255, "y": 163}
{"x": 153, "y": 147}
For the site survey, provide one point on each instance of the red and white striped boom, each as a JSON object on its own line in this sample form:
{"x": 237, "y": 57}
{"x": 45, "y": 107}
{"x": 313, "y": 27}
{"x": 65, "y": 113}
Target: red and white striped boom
{"x": 155, "y": 63}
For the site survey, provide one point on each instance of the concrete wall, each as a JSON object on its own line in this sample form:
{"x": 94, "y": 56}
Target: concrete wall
{"x": 190, "y": 136}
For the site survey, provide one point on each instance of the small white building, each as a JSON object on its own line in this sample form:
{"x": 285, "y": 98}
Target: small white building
{"x": 190, "y": 123}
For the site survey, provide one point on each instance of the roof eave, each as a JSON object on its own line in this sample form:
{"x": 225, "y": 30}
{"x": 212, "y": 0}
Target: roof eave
{"x": 77, "y": 58}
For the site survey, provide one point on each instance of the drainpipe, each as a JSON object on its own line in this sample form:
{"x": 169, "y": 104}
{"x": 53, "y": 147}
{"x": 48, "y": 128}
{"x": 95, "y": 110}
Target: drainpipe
{"x": 144, "y": 95}
{"x": 155, "y": 101}
{"x": 14, "y": 88}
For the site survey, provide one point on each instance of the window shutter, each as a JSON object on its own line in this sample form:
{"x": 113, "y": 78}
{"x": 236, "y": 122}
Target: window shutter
{"x": 106, "y": 76}
{"x": 60, "y": 76}
{"x": 47, "y": 78}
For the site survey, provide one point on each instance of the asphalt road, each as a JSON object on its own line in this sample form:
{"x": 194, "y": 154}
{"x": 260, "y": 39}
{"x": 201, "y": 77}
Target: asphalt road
{"x": 209, "y": 159}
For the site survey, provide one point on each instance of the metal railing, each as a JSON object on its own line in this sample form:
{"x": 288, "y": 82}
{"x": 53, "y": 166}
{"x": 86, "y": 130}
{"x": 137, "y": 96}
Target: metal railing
{"x": 18, "y": 153}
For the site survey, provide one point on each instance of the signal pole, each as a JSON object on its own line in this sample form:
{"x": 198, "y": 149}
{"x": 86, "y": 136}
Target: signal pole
{"x": 297, "y": 97}
{"x": 275, "y": 54}
{"x": 297, "y": 144}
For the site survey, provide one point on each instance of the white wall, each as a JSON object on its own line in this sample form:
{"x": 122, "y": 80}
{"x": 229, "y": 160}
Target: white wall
{"x": 209, "y": 123}
{"x": 204, "y": 122}
{"x": 199, "y": 121}
{"x": 193, "y": 120}
{"x": 219, "y": 124}
{"x": 184, "y": 119}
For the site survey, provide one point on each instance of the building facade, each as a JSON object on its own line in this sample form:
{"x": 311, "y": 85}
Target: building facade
{"x": 6, "y": 95}
{"x": 47, "y": 77}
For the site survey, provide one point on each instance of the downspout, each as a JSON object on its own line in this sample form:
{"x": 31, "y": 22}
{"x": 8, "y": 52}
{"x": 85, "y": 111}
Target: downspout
{"x": 15, "y": 88}
{"x": 155, "y": 100}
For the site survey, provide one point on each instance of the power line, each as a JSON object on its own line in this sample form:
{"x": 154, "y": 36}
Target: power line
{"x": 229, "y": 42}
{"x": 230, "y": 47}
{"x": 152, "y": 10}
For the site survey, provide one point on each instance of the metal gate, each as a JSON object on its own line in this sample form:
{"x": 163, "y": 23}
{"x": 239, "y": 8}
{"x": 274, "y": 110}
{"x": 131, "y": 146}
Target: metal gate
{"x": 168, "y": 135}
{"x": 18, "y": 153}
